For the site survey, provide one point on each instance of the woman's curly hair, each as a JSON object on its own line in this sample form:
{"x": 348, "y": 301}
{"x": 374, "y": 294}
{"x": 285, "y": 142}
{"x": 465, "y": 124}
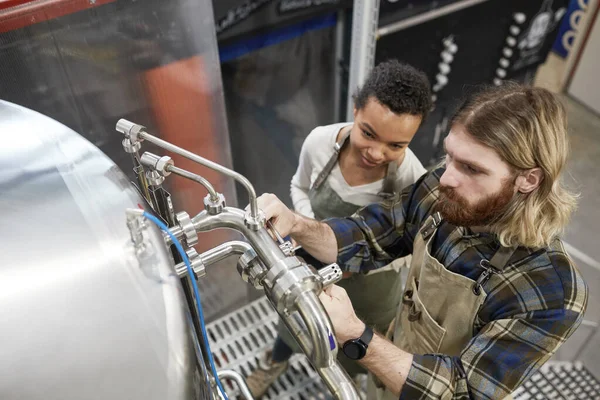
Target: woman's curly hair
{"x": 398, "y": 86}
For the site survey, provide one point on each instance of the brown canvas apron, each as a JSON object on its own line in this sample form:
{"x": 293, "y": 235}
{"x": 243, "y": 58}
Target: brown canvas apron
{"x": 438, "y": 307}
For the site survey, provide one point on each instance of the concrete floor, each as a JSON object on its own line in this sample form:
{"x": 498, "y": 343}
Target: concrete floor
{"x": 581, "y": 237}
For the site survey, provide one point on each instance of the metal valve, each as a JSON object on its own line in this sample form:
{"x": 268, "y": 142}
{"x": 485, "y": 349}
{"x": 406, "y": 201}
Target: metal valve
{"x": 250, "y": 268}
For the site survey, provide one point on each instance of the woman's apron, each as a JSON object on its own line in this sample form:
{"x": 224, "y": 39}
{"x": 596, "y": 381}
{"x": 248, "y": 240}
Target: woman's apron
{"x": 376, "y": 295}
{"x": 438, "y": 307}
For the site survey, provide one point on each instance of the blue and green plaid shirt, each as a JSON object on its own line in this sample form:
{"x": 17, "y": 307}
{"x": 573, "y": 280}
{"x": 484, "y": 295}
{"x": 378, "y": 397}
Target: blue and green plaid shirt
{"x": 531, "y": 308}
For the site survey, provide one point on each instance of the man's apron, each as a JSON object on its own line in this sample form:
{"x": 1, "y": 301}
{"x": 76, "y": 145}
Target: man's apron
{"x": 438, "y": 307}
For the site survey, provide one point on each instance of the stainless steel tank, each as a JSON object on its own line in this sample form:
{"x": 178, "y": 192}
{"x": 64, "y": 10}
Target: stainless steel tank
{"x": 81, "y": 317}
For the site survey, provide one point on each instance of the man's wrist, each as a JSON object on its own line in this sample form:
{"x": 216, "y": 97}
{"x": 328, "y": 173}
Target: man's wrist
{"x": 353, "y": 330}
{"x": 297, "y": 225}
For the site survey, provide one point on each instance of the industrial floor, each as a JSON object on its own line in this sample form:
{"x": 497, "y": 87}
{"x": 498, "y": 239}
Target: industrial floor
{"x": 581, "y": 238}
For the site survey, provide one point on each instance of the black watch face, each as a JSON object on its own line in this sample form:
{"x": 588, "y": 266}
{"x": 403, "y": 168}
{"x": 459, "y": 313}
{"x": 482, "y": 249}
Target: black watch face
{"x": 353, "y": 350}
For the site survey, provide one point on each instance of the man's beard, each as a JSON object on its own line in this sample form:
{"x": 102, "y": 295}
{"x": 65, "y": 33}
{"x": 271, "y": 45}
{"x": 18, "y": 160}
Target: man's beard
{"x": 457, "y": 211}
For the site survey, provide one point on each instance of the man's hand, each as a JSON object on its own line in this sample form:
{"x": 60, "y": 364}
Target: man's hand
{"x": 316, "y": 237}
{"x": 282, "y": 218}
{"x": 345, "y": 322}
{"x": 386, "y": 361}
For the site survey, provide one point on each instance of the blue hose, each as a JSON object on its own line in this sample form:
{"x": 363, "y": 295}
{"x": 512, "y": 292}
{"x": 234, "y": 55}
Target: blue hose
{"x": 186, "y": 260}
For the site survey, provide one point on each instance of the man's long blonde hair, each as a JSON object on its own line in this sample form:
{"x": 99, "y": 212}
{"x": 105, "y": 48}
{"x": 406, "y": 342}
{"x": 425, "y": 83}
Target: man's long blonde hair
{"x": 527, "y": 127}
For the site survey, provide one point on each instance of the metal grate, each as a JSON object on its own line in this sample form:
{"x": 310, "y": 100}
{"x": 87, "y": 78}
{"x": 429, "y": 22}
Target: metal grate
{"x": 560, "y": 381}
{"x": 240, "y": 338}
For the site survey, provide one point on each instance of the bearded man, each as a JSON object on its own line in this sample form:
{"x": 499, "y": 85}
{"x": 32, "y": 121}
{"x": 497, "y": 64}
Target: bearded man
{"x": 491, "y": 292}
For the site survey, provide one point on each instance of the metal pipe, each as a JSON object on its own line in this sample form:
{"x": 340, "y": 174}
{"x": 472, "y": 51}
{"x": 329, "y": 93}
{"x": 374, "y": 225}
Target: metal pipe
{"x": 271, "y": 255}
{"x": 319, "y": 327}
{"x": 233, "y": 218}
{"x": 207, "y": 163}
{"x": 224, "y": 250}
{"x": 426, "y": 16}
{"x": 237, "y": 378}
{"x": 176, "y": 231}
{"x": 194, "y": 177}
{"x": 334, "y": 376}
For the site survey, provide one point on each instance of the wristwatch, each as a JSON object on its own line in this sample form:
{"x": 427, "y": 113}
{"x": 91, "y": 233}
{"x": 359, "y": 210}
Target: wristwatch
{"x": 355, "y": 349}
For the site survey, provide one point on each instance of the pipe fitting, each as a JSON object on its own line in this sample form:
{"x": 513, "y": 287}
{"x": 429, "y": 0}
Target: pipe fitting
{"x": 196, "y": 263}
{"x": 186, "y": 225}
{"x": 214, "y": 207}
{"x": 154, "y": 178}
{"x": 254, "y": 223}
{"x": 159, "y": 164}
{"x": 130, "y": 147}
{"x": 131, "y": 130}
{"x": 250, "y": 269}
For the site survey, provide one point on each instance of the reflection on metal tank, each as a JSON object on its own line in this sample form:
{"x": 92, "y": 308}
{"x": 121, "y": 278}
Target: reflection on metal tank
{"x": 82, "y": 318}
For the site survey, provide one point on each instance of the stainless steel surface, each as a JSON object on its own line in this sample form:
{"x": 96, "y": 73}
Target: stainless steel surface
{"x": 426, "y": 16}
{"x": 330, "y": 274}
{"x": 152, "y": 61}
{"x": 82, "y": 316}
{"x": 139, "y": 133}
{"x": 309, "y": 307}
{"x": 239, "y": 380}
{"x": 234, "y": 218}
{"x": 219, "y": 253}
{"x": 136, "y": 226}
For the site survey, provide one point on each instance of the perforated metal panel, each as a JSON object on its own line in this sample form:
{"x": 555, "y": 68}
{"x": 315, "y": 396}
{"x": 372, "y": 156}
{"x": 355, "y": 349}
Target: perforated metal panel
{"x": 240, "y": 338}
{"x": 558, "y": 381}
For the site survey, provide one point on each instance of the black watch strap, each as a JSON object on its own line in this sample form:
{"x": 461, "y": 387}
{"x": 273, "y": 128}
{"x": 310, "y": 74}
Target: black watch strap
{"x": 367, "y": 336}
{"x": 356, "y": 349}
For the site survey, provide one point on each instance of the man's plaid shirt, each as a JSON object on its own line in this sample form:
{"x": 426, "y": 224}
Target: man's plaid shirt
{"x": 531, "y": 308}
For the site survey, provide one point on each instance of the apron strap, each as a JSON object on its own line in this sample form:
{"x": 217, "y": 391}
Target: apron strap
{"x": 501, "y": 257}
{"x": 337, "y": 147}
{"x": 494, "y": 266}
{"x": 389, "y": 182}
{"x": 430, "y": 225}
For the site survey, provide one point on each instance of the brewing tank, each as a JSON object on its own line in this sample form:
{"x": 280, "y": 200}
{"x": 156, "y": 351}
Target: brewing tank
{"x": 83, "y": 316}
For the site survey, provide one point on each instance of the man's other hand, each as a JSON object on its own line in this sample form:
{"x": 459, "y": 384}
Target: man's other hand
{"x": 345, "y": 322}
